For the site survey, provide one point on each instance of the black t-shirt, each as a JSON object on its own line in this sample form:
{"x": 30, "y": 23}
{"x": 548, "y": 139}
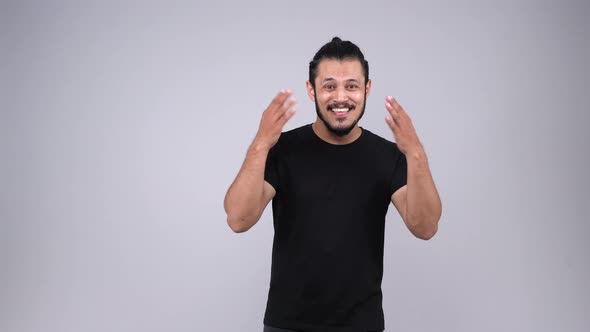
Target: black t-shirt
{"x": 329, "y": 221}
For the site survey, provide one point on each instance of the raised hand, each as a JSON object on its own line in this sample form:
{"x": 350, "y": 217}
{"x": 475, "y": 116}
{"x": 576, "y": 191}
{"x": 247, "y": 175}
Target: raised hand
{"x": 401, "y": 125}
{"x": 274, "y": 118}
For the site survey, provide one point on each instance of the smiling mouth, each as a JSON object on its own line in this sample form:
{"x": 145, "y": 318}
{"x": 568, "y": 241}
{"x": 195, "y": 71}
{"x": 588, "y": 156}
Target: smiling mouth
{"x": 341, "y": 109}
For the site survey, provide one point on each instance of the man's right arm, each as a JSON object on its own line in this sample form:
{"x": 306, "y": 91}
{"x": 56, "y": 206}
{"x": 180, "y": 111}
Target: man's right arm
{"x": 249, "y": 194}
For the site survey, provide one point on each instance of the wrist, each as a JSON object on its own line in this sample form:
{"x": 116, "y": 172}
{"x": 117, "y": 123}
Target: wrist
{"x": 416, "y": 154}
{"x": 259, "y": 145}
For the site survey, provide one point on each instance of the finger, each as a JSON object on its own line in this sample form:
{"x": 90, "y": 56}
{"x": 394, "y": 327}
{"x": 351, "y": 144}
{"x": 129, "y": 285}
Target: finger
{"x": 280, "y": 99}
{"x": 397, "y": 112}
{"x": 288, "y": 115}
{"x": 396, "y": 107}
{"x": 392, "y": 125}
{"x": 288, "y": 104}
{"x": 394, "y": 104}
{"x": 392, "y": 111}
{"x": 283, "y": 96}
{"x": 403, "y": 115}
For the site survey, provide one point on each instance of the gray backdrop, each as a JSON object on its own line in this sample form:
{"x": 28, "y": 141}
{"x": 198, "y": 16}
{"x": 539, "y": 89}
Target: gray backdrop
{"x": 123, "y": 124}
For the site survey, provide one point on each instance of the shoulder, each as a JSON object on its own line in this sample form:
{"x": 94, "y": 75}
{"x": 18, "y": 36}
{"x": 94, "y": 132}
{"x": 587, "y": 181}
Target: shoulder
{"x": 296, "y": 132}
{"x": 379, "y": 142}
{"x": 295, "y": 136}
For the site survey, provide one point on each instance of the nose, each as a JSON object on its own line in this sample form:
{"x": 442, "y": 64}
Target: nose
{"x": 340, "y": 94}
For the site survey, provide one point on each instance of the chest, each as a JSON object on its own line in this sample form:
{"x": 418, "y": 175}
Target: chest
{"x": 336, "y": 178}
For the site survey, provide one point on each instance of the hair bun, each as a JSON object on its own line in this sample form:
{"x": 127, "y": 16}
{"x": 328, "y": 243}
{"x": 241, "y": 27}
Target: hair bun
{"x": 336, "y": 39}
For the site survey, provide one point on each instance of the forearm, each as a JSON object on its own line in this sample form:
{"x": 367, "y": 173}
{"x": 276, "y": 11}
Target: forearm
{"x": 244, "y": 197}
{"x": 424, "y": 207}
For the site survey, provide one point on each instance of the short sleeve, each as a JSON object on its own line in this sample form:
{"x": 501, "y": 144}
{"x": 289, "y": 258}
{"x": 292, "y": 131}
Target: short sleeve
{"x": 271, "y": 174}
{"x": 400, "y": 173}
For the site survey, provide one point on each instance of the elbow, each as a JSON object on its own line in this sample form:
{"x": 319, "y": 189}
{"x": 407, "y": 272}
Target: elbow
{"x": 240, "y": 219}
{"x": 235, "y": 225}
{"x": 236, "y": 221}
{"x": 239, "y": 224}
{"x": 426, "y": 234}
{"x": 237, "y": 228}
{"x": 425, "y": 227}
{"x": 425, "y": 230}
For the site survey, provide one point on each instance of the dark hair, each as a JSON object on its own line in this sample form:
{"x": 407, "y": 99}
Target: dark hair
{"x": 340, "y": 50}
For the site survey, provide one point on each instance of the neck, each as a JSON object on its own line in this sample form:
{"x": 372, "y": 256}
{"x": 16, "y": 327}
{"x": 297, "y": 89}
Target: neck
{"x": 320, "y": 129}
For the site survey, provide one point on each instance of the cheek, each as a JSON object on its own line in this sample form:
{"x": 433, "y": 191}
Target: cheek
{"x": 323, "y": 98}
{"x": 358, "y": 96}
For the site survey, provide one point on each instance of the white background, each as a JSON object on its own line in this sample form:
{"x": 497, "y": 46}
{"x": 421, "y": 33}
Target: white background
{"x": 123, "y": 124}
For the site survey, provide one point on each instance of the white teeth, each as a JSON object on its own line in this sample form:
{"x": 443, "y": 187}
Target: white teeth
{"x": 340, "y": 110}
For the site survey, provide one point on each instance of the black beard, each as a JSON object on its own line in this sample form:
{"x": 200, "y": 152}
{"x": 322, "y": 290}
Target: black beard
{"x": 339, "y": 131}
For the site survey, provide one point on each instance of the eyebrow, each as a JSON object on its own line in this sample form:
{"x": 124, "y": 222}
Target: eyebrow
{"x": 333, "y": 79}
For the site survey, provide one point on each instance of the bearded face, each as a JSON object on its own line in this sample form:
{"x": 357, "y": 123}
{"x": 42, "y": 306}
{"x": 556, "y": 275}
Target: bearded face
{"x": 339, "y": 94}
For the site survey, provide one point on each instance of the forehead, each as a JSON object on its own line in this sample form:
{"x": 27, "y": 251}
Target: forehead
{"x": 340, "y": 69}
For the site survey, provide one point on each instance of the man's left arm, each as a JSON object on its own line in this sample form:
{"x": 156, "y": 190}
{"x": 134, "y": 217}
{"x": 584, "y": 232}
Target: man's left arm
{"x": 418, "y": 202}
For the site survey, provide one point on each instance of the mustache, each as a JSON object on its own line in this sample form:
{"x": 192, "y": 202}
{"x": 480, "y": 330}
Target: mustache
{"x": 341, "y": 105}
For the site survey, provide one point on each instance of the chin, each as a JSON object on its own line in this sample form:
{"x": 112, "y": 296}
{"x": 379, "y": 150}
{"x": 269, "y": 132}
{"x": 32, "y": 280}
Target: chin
{"x": 341, "y": 130}
{"x": 336, "y": 127}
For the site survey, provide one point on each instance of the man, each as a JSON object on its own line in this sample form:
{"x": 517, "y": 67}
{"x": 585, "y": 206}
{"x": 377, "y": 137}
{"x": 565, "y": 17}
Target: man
{"x": 331, "y": 183}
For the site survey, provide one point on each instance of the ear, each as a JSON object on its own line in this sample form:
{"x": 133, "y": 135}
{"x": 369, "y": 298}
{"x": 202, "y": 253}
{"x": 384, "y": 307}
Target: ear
{"x": 368, "y": 88}
{"x": 310, "y": 91}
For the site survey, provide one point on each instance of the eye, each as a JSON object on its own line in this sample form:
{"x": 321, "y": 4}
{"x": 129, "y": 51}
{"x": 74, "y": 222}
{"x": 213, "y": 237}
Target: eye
{"x": 329, "y": 86}
{"x": 352, "y": 86}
